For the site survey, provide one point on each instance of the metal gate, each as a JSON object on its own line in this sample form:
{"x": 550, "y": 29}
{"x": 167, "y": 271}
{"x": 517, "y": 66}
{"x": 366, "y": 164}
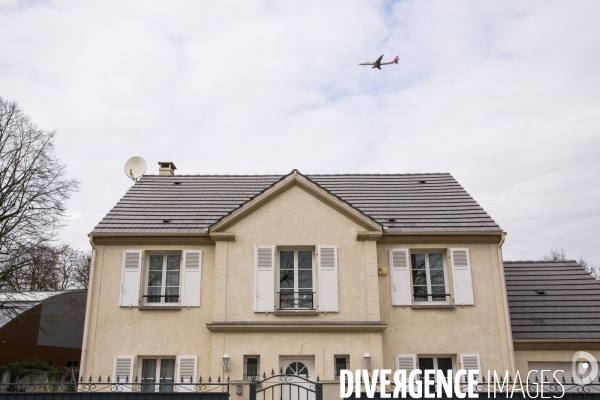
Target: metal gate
{"x": 286, "y": 387}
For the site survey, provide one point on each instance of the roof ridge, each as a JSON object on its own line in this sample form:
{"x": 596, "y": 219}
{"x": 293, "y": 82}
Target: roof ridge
{"x": 540, "y": 261}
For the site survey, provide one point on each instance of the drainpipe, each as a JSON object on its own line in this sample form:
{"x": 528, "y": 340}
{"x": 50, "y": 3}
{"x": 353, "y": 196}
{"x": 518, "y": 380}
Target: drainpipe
{"x": 88, "y": 309}
{"x": 511, "y": 347}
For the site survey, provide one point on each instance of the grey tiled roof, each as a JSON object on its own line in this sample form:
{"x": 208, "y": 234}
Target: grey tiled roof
{"x": 568, "y": 309}
{"x": 402, "y": 202}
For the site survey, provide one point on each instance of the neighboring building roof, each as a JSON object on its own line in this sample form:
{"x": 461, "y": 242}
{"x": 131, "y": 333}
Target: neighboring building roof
{"x": 14, "y": 304}
{"x": 552, "y": 300}
{"x": 403, "y": 202}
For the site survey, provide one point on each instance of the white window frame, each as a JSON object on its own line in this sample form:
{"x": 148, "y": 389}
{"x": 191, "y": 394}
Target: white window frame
{"x": 157, "y": 373}
{"x": 446, "y": 276}
{"x": 296, "y": 249}
{"x": 335, "y": 357}
{"x": 435, "y": 357}
{"x": 164, "y": 277}
{"x": 245, "y": 372}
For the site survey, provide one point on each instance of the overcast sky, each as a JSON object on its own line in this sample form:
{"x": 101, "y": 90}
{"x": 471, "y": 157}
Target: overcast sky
{"x": 503, "y": 95}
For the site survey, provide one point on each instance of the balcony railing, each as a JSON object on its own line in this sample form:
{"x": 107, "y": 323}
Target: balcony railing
{"x": 155, "y": 298}
{"x": 434, "y": 297}
{"x": 289, "y": 300}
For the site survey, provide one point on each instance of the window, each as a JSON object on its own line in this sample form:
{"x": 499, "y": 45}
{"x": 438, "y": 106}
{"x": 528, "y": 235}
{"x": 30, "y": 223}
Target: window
{"x": 163, "y": 279}
{"x": 428, "y": 278}
{"x": 157, "y": 370}
{"x": 341, "y": 362}
{"x": 252, "y": 368}
{"x": 441, "y": 363}
{"x": 72, "y": 364}
{"x": 296, "y": 290}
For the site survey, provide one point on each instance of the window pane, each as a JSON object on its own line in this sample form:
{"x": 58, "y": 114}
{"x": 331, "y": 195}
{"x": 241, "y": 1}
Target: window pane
{"x": 435, "y": 261}
{"x": 148, "y": 375}
{"x": 286, "y": 260}
{"x": 419, "y": 277}
{"x": 156, "y": 262}
{"x": 154, "y": 278}
{"x": 286, "y": 279}
{"x": 425, "y": 363}
{"x": 252, "y": 367}
{"x": 172, "y": 295}
{"x": 440, "y": 291}
{"x": 304, "y": 259}
{"x": 172, "y": 278}
{"x": 418, "y": 261}
{"x": 173, "y": 262}
{"x": 340, "y": 364}
{"x": 286, "y": 300}
{"x": 167, "y": 374}
{"x": 420, "y": 293}
{"x": 437, "y": 276}
{"x": 445, "y": 365}
{"x": 153, "y": 295}
{"x": 305, "y": 279}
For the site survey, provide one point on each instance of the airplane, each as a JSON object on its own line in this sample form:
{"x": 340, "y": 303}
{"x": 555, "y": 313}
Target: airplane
{"x": 377, "y": 64}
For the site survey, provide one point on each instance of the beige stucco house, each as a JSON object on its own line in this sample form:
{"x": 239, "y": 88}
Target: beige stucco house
{"x": 304, "y": 273}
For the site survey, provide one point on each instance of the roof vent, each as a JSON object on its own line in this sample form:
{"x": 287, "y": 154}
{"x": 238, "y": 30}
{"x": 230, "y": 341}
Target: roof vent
{"x": 166, "y": 221}
{"x": 422, "y": 181}
{"x": 392, "y": 220}
{"x": 176, "y": 183}
{"x": 540, "y": 292}
{"x": 166, "y": 168}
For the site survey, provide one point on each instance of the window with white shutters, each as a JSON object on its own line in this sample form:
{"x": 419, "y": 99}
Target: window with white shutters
{"x": 328, "y": 279}
{"x": 400, "y": 277}
{"x": 461, "y": 277}
{"x": 163, "y": 279}
{"x": 191, "y": 279}
{"x": 264, "y": 275}
{"x": 123, "y": 371}
{"x": 429, "y": 281}
{"x": 130, "y": 278}
{"x": 296, "y": 280}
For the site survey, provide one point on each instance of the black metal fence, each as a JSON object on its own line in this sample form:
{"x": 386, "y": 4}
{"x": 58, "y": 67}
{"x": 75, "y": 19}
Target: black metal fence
{"x": 142, "y": 389}
{"x": 286, "y": 386}
{"x": 573, "y": 389}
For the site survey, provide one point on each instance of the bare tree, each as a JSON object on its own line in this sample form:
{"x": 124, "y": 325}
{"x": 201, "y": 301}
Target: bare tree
{"x": 33, "y": 193}
{"x": 556, "y": 255}
{"x": 594, "y": 270}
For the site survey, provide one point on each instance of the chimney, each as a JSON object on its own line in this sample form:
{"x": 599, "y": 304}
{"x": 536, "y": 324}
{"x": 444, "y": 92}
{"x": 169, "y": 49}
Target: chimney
{"x": 166, "y": 168}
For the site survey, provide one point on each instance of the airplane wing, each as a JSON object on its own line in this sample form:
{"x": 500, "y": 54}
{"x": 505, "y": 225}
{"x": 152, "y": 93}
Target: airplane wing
{"x": 378, "y": 62}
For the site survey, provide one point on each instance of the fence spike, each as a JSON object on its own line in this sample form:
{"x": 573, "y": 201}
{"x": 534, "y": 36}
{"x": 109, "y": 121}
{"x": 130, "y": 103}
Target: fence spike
{"x": 127, "y": 378}
{"x": 318, "y": 381}
{"x": 107, "y": 380}
{"x": 191, "y": 379}
{"x": 210, "y": 379}
{"x": 227, "y": 379}
{"x": 219, "y": 379}
{"x": 264, "y": 375}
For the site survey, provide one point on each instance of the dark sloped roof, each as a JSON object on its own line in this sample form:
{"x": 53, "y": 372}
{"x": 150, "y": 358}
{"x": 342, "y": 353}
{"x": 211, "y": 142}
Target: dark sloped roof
{"x": 569, "y": 307}
{"x": 403, "y": 202}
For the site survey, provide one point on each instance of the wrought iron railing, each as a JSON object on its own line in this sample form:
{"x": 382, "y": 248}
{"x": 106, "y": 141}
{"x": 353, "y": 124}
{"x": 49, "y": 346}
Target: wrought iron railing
{"x": 425, "y": 297}
{"x": 508, "y": 386}
{"x": 118, "y": 385}
{"x": 169, "y": 298}
{"x": 296, "y": 300}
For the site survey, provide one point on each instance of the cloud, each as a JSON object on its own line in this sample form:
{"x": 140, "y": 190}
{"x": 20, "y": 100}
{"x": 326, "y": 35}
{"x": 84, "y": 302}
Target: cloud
{"x": 504, "y": 95}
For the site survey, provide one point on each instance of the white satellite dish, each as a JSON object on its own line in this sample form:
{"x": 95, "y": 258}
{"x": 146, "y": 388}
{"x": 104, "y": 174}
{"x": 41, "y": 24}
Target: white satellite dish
{"x": 135, "y": 167}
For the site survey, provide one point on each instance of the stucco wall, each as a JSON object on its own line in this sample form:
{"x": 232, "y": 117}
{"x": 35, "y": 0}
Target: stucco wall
{"x": 478, "y": 329}
{"x": 296, "y": 218}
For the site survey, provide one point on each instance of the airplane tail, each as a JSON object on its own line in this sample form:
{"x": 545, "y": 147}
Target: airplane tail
{"x": 395, "y": 60}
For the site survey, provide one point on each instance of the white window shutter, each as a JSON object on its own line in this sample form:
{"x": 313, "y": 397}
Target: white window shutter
{"x": 186, "y": 369}
{"x": 470, "y": 362}
{"x": 400, "y": 277}
{"x": 191, "y": 278}
{"x": 461, "y": 277}
{"x": 130, "y": 278}
{"x": 264, "y": 275}
{"x": 123, "y": 371}
{"x": 407, "y": 362}
{"x": 328, "y": 279}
